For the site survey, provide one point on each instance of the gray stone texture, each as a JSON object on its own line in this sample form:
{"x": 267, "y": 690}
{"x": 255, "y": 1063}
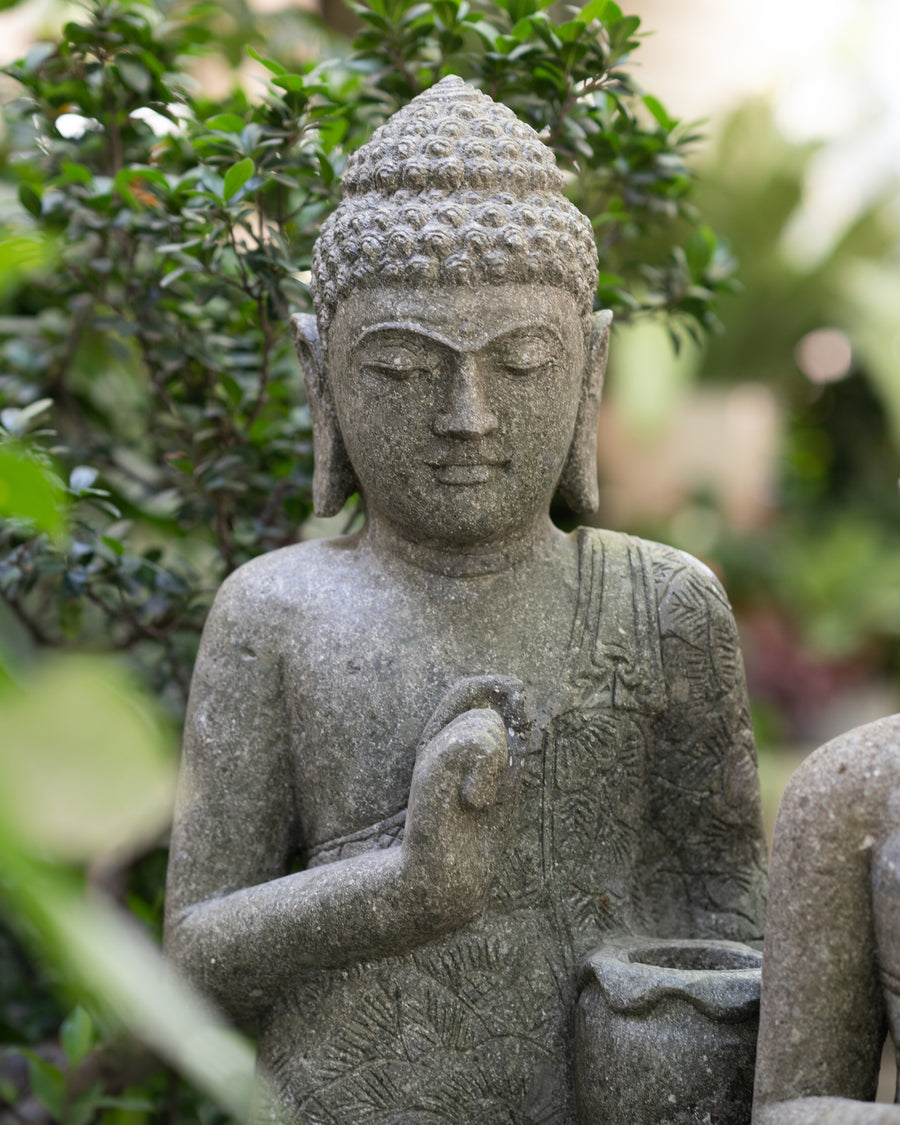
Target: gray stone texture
{"x": 666, "y": 1031}
{"x": 432, "y": 767}
{"x": 831, "y": 975}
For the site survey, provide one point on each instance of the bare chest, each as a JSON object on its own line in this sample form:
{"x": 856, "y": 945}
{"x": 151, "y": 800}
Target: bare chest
{"x": 363, "y": 683}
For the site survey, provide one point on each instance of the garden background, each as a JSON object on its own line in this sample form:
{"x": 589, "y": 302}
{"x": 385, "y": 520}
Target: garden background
{"x": 163, "y": 172}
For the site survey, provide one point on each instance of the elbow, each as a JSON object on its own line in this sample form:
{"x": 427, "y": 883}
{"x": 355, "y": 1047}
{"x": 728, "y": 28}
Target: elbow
{"x": 179, "y": 945}
{"x": 190, "y": 945}
{"x": 184, "y": 946}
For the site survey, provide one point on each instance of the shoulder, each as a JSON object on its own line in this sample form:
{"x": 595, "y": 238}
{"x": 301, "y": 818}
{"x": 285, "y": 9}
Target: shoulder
{"x": 271, "y": 584}
{"x": 691, "y": 617}
{"x": 269, "y": 596}
{"x": 854, "y": 777}
{"x": 682, "y": 580}
{"x": 677, "y": 581}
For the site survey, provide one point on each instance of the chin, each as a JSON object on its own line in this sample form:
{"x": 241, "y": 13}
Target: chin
{"x": 460, "y": 521}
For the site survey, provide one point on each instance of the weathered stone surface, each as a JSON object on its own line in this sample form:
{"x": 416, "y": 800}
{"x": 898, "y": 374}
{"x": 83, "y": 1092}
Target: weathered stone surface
{"x": 430, "y": 768}
{"x": 666, "y": 1031}
{"x": 831, "y": 974}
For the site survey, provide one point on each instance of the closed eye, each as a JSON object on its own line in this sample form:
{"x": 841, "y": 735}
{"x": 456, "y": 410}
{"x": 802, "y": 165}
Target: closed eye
{"x": 397, "y": 370}
{"x": 397, "y": 354}
{"x": 527, "y": 370}
{"x": 526, "y": 355}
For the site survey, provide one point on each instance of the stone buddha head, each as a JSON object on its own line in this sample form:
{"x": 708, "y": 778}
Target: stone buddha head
{"x": 454, "y": 365}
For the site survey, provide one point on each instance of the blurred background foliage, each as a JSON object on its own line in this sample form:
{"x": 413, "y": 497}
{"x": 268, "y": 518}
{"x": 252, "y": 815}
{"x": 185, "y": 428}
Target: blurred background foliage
{"x": 773, "y": 450}
{"x": 164, "y": 169}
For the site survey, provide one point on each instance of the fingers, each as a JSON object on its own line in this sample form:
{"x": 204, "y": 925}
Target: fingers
{"x": 502, "y": 694}
{"x": 480, "y": 738}
{"x": 461, "y": 801}
{"x": 465, "y": 761}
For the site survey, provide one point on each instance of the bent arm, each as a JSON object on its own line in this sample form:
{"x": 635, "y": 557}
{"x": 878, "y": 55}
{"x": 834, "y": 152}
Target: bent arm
{"x": 244, "y": 948}
{"x": 237, "y": 922}
{"x": 822, "y": 1019}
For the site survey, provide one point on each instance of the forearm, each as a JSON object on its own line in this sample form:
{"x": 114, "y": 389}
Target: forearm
{"x": 825, "y": 1111}
{"x": 244, "y": 948}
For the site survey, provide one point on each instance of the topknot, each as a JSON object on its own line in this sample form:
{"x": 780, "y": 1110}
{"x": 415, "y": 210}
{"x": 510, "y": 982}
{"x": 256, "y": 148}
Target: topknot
{"x": 449, "y": 136}
{"x": 453, "y": 188}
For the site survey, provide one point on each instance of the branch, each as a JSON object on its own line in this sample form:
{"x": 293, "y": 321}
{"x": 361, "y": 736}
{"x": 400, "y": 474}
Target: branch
{"x": 36, "y": 632}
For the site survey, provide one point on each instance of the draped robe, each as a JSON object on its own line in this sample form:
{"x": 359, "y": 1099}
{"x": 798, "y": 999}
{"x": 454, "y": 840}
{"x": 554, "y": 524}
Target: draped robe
{"x": 638, "y": 813}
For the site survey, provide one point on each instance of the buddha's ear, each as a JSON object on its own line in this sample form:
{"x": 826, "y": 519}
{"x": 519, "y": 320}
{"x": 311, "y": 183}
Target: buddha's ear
{"x": 578, "y": 484}
{"x": 333, "y": 476}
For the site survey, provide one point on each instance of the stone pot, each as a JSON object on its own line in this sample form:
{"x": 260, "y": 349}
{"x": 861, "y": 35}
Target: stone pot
{"x": 665, "y": 1033}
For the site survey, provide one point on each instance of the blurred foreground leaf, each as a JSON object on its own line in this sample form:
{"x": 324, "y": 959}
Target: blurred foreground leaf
{"x": 87, "y": 775}
{"x": 87, "y": 770}
{"x": 104, "y": 954}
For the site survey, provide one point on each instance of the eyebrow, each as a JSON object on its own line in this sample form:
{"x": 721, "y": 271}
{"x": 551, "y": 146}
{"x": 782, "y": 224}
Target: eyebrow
{"x": 416, "y": 328}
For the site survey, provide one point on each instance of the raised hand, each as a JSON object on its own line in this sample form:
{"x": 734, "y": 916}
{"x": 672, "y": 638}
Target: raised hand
{"x": 463, "y": 793}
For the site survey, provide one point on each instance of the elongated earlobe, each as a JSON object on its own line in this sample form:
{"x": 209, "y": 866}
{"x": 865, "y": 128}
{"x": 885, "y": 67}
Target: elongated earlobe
{"x": 333, "y": 477}
{"x": 578, "y": 484}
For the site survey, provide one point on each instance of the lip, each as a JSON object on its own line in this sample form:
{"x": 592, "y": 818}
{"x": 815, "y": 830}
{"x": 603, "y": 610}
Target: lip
{"x": 465, "y": 472}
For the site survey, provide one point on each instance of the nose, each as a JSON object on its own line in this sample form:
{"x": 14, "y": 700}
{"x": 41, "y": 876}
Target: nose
{"x": 467, "y": 415}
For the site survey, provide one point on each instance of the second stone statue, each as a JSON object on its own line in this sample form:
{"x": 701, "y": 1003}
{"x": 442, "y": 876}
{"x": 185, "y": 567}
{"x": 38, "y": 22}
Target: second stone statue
{"x": 433, "y": 768}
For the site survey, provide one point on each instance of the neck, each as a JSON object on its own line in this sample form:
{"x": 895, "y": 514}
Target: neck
{"x": 454, "y": 560}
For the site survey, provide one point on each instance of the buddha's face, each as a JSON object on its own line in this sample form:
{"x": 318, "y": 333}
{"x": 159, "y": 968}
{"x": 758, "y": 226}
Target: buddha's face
{"x": 457, "y": 404}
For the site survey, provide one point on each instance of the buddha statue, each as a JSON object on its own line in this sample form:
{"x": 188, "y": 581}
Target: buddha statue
{"x": 431, "y": 766}
{"x": 831, "y": 974}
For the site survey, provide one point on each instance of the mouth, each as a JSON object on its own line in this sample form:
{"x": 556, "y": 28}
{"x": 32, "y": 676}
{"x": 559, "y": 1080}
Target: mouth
{"x": 466, "y": 473}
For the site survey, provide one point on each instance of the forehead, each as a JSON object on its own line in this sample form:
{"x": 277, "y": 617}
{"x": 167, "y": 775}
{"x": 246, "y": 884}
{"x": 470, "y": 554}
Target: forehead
{"x": 464, "y": 317}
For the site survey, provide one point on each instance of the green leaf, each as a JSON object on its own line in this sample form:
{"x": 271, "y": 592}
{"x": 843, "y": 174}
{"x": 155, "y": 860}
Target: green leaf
{"x": 134, "y": 74}
{"x": 27, "y": 491}
{"x": 30, "y": 200}
{"x": 570, "y": 31}
{"x": 486, "y": 32}
{"x": 101, "y": 951}
{"x": 46, "y": 1082}
{"x": 269, "y": 64}
{"x": 595, "y": 10}
{"x": 173, "y": 275}
{"x": 76, "y": 173}
{"x": 658, "y": 110}
{"x": 70, "y": 789}
{"x": 76, "y": 1034}
{"x": 622, "y": 29}
{"x": 17, "y": 420}
{"x": 699, "y": 251}
{"x": 236, "y": 176}
{"x": 295, "y": 83}
{"x": 115, "y": 545}
{"x": 233, "y": 390}
{"x": 83, "y": 1109}
{"x": 133, "y": 1105}
{"x": 225, "y": 123}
